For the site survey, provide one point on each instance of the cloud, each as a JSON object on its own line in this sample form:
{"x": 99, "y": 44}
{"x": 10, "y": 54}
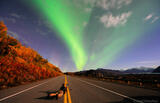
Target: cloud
{"x": 8, "y": 19}
{"x": 88, "y": 9}
{"x": 15, "y": 15}
{"x": 15, "y": 35}
{"x": 47, "y": 24}
{"x": 155, "y": 19}
{"x": 148, "y": 17}
{"x": 89, "y": 2}
{"x": 112, "y": 4}
{"x": 151, "y": 17}
{"x": 43, "y": 23}
{"x": 84, "y": 3}
{"x": 112, "y": 21}
{"x": 41, "y": 32}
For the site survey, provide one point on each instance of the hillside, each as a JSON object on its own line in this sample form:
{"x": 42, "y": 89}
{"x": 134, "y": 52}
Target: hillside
{"x": 20, "y": 64}
{"x": 98, "y": 73}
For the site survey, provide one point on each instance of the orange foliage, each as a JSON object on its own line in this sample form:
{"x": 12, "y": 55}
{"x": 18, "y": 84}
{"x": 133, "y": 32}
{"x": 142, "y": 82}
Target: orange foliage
{"x": 19, "y": 64}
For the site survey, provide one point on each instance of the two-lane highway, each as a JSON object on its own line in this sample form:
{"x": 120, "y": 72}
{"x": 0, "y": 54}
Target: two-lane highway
{"x": 80, "y": 91}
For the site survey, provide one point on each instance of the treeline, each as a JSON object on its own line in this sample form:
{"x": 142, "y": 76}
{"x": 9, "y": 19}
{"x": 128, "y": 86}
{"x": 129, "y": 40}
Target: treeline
{"x": 20, "y": 64}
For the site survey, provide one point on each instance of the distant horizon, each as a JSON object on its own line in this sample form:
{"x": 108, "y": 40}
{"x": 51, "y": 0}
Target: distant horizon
{"x": 116, "y": 69}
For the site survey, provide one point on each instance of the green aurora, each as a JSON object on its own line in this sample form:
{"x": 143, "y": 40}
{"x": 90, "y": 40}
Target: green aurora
{"x": 69, "y": 21}
{"x": 91, "y": 43}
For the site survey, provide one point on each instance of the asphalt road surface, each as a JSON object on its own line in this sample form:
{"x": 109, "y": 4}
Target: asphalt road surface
{"x": 80, "y": 90}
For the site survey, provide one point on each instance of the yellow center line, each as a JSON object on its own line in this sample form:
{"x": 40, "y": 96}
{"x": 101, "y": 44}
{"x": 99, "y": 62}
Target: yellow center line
{"x": 65, "y": 98}
{"x": 65, "y": 95}
{"x": 69, "y": 96}
{"x": 68, "y": 93}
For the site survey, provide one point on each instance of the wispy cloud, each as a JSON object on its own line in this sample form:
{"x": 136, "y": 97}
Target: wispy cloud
{"x": 41, "y": 32}
{"x": 88, "y": 9}
{"x": 15, "y": 15}
{"x": 112, "y": 21}
{"x": 15, "y": 35}
{"x": 155, "y": 19}
{"x": 112, "y": 4}
{"x": 86, "y": 5}
{"x": 149, "y": 16}
{"x": 9, "y": 19}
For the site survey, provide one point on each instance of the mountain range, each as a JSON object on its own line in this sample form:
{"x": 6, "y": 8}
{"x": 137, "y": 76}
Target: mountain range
{"x": 141, "y": 70}
{"x": 100, "y": 72}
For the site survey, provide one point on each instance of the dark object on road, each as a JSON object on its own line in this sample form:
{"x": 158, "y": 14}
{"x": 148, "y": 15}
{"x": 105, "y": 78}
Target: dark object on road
{"x": 59, "y": 93}
{"x": 63, "y": 88}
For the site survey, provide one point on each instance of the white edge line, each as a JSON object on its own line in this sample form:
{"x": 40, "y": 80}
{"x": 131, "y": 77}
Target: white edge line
{"x": 2, "y": 99}
{"x": 112, "y": 91}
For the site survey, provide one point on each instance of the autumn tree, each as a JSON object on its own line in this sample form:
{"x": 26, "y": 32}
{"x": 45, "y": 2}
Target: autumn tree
{"x": 20, "y": 64}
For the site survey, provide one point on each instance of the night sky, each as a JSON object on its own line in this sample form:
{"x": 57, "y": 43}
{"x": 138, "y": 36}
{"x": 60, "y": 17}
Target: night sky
{"x": 87, "y": 34}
